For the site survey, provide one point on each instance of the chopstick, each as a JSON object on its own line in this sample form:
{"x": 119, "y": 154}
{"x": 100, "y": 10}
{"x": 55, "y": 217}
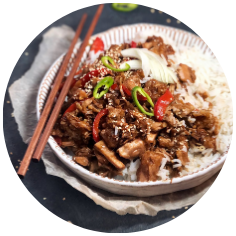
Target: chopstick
{"x": 51, "y": 98}
{"x": 66, "y": 87}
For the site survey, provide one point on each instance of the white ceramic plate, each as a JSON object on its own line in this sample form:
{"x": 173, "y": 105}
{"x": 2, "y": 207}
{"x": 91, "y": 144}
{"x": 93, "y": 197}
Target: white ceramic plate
{"x": 119, "y": 35}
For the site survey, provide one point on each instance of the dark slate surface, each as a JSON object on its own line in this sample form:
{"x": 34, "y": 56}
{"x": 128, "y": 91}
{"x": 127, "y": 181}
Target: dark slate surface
{"x": 76, "y": 207}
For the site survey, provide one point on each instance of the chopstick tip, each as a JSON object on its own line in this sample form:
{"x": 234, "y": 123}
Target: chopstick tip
{"x": 35, "y": 160}
{"x": 21, "y": 176}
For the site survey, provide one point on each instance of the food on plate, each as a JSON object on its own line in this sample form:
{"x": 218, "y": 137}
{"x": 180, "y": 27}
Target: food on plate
{"x": 146, "y": 110}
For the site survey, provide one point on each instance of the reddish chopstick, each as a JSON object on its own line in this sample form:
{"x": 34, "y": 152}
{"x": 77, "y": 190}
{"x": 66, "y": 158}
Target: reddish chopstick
{"x": 51, "y": 98}
{"x": 66, "y": 87}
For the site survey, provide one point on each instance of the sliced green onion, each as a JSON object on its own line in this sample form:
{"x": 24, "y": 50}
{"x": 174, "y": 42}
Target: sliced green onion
{"x": 137, "y": 89}
{"x": 107, "y": 82}
{"x": 106, "y": 60}
{"x": 124, "y": 7}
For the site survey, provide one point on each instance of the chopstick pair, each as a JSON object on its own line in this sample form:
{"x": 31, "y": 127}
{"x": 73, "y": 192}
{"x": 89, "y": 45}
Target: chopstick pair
{"x": 31, "y": 153}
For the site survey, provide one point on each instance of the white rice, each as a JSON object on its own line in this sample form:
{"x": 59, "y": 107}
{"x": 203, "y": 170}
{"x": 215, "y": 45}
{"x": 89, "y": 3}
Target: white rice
{"x": 210, "y": 78}
{"x": 129, "y": 173}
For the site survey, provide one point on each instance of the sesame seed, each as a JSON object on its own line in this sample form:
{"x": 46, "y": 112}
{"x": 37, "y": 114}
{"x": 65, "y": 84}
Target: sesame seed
{"x": 63, "y": 198}
{"x": 44, "y": 198}
{"x": 26, "y": 53}
{"x": 160, "y": 12}
{"x": 168, "y": 20}
{"x": 8, "y": 102}
{"x": 178, "y": 22}
{"x": 12, "y": 114}
{"x": 186, "y": 208}
{"x": 173, "y": 217}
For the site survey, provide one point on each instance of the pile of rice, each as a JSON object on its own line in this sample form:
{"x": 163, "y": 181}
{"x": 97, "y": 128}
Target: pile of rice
{"x": 210, "y": 78}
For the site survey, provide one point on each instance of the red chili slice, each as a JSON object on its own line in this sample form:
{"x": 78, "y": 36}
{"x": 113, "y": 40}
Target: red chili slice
{"x": 162, "y": 103}
{"x": 96, "y": 124}
{"x": 71, "y": 108}
{"x": 126, "y": 90}
{"x": 128, "y": 93}
{"x": 133, "y": 44}
{"x": 97, "y": 45}
{"x": 58, "y": 140}
{"x": 84, "y": 79}
{"x": 115, "y": 87}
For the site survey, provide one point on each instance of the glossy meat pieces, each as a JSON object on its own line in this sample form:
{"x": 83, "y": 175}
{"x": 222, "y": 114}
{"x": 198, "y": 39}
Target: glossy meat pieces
{"x": 132, "y": 150}
{"x": 69, "y": 143}
{"x": 182, "y": 150}
{"x": 111, "y": 140}
{"x": 151, "y": 138}
{"x": 204, "y": 138}
{"x": 145, "y": 124}
{"x": 156, "y": 126}
{"x": 170, "y": 118}
{"x": 180, "y": 108}
{"x": 84, "y": 152}
{"x": 101, "y": 159}
{"x": 80, "y": 94}
{"x": 132, "y": 80}
{"x": 186, "y": 73}
{"x": 114, "y": 52}
{"x": 150, "y": 165}
{"x": 115, "y": 114}
{"x": 83, "y": 161}
{"x": 165, "y": 142}
{"x": 109, "y": 155}
{"x": 206, "y": 120}
{"x": 155, "y": 89}
{"x": 75, "y": 122}
{"x": 182, "y": 156}
{"x": 83, "y": 106}
{"x": 157, "y": 45}
{"x": 95, "y": 106}
{"x": 75, "y": 128}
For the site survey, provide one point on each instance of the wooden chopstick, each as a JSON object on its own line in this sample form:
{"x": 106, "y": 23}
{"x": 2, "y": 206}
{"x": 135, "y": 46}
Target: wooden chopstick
{"x": 66, "y": 87}
{"x": 51, "y": 98}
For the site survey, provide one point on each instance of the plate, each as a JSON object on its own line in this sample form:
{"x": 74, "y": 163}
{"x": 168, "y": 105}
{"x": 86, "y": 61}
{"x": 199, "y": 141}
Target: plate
{"x": 120, "y": 35}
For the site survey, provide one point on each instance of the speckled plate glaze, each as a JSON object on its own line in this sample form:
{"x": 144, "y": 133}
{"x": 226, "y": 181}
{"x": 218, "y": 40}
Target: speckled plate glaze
{"x": 120, "y": 35}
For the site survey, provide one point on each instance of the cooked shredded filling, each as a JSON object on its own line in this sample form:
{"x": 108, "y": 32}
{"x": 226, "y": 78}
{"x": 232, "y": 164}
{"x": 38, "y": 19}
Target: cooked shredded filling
{"x": 128, "y": 140}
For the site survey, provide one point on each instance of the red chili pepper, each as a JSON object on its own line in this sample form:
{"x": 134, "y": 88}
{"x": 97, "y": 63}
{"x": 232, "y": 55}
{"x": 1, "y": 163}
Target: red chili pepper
{"x": 84, "y": 79}
{"x": 71, "y": 108}
{"x": 133, "y": 44}
{"x": 162, "y": 103}
{"x": 97, "y": 45}
{"x": 95, "y": 73}
{"x": 126, "y": 90}
{"x": 128, "y": 93}
{"x": 96, "y": 124}
{"x": 115, "y": 87}
{"x": 58, "y": 140}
